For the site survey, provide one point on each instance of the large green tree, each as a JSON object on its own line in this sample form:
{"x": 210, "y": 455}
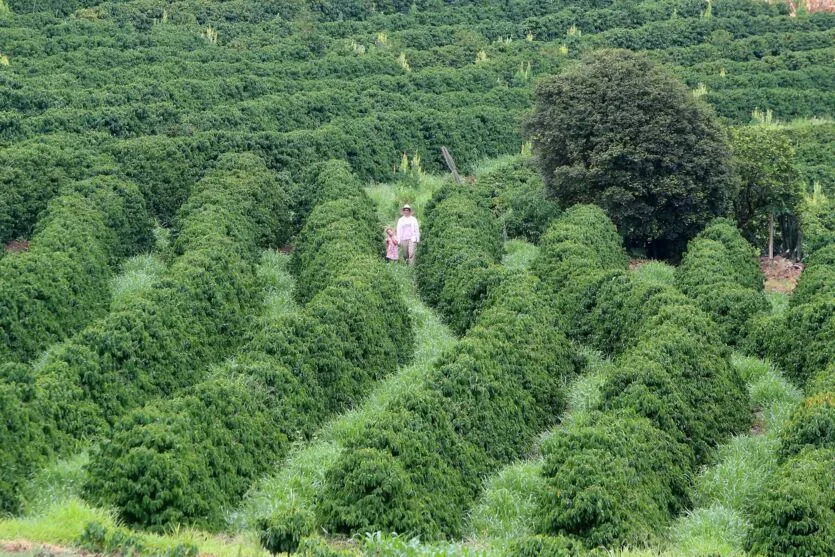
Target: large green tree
{"x": 768, "y": 184}
{"x": 619, "y": 131}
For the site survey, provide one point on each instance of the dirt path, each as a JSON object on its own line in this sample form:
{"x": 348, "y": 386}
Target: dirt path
{"x": 781, "y": 274}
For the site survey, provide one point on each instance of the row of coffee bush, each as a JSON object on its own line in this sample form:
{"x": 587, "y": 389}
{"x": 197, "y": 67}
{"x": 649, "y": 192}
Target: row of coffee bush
{"x": 794, "y": 513}
{"x": 801, "y": 340}
{"x": 518, "y": 199}
{"x": 33, "y": 172}
{"x": 420, "y": 465}
{"x": 619, "y": 475}
{"x": 721, "y": 272}
{"x": 157, "y": 342}
{"x": 189, "y": 458}
{"x": 61, "y": 281}
{"x": 459, "y": 257}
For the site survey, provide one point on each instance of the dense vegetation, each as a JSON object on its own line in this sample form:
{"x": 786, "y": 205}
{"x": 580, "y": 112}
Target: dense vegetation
{"x": 202, "y": 137}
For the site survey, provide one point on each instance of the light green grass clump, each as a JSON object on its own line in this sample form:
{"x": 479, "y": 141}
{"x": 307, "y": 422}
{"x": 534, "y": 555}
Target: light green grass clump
{"x": 278, "y": 283}
{"x": 519, "y": 254}
{"x": 656, "y": 271}
{"x": 139, "y": 275}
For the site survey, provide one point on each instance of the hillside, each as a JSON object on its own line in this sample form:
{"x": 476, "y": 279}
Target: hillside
{"x": 203, "y": 351}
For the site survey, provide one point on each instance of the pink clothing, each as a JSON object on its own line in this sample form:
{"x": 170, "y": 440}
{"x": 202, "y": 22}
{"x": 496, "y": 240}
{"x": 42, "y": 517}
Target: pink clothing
{"x": 391, "y": 248}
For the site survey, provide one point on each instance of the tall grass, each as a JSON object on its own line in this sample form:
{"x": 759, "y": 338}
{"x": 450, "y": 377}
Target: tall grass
{"x": 138, "y": 275}
{"x": 656, "y": 271}
{"x": 519, "y": 254}
{"x": 278, "y": 284}
{"x": 416, "y": 191}
{"x": 718, "y": 524}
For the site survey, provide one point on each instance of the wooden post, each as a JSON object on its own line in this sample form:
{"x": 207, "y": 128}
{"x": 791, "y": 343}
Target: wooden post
{"x": 451, "y": 165}
{"x": 771, "y": 237}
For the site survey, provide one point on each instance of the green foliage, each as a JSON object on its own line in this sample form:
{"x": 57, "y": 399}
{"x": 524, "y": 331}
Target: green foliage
{"x": 800, "y": 339}
{"x": 422, "y": 462}
{"x": 768, "y": 185}
{"x": 22, "y": 435}
{"x": 518, "y": 199}
{"x": 545, "y": 546}
{"x": 155, "y": 344}
{"x": 612, "y": 480}
{"x": 60, "y": 283}
{"x": 32, "y": 173}
{"x": 460, "y": 246}
{"x": 795, "y": 513}
{"x": 185, "y": 460}
{"x": 621, "y": 132}
{"x": 720, "y": 271}
{"x": 811, "y": 426}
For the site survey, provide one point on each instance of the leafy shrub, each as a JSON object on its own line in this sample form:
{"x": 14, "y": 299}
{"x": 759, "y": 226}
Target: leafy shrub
{"x": 795, "y": 513}
{"x": 423, "y": 461}
{"x": 32, "y": 173}
{"x": 720, "y": 271}
{"x": 163, "y": 463}
{"x": 577, "y": 253}
{"x": 811, "y": 426}
{"x": 188, "y": 459}
{"x": 22, "y": 435}
{"x": 612, "y": 480}
{"x": 155, "y": 345}
{"x": 518, "y": 199}
{"x": 61, "y": 282}
{"x": 460, "y": 245}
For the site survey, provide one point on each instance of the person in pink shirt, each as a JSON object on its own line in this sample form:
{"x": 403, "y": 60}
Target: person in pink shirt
{"x": 408, "y": 234}
{"x": 392, "y": 254}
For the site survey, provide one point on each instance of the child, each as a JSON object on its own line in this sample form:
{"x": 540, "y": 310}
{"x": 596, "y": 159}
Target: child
{"x": 391, "y": 245}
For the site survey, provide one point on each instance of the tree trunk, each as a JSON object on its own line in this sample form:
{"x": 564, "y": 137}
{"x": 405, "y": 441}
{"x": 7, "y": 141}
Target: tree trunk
{"x": 771, "y": 236}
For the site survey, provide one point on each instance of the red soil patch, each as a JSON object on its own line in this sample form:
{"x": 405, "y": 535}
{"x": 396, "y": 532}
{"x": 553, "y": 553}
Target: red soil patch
{"x": 781, "y": 274}
{"x": 25, "y": 546}
{"x": 16, "y": 246}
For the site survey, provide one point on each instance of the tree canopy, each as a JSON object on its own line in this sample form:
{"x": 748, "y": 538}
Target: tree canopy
{"x": 621, "y": 132}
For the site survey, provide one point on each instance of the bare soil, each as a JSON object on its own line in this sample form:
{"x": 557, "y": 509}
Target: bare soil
{"x": 16, "y": 246}
{"x": 781, "y": 274}
{"x": 30, "y": 548}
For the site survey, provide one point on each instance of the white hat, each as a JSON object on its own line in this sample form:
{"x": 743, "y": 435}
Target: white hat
{"x": 407, "y": 206}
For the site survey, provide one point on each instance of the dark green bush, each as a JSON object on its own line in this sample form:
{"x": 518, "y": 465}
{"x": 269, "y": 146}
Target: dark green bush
{"x": 811, "y": 426}
{"x": 822, "y": 382}
{"x": 720, "y": 271}
{"x": 155, "y": 345}
{"x": 612, "y": 480}
{"x": 62, "y": 281}
{"x": 22, "y": 436}
{"x": 460, "y": 245}
{"x": 518, "y": 199}
{"x": 580, "y": 250}
{"x": 186, "y": 459}
{"x": 794, "y": 513}
{"x": 423, "y": 461}
{"x": 32, "y": 173}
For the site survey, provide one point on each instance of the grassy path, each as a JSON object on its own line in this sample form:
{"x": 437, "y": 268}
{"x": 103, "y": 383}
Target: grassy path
{"x": 287, "y": 496}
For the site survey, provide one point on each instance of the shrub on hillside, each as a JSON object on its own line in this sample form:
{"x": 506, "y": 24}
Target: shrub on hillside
{"x": 164, "y": 462}
{"x": 720, "y": 271}
{"x": 612, "y": 480}
{"x": 22, "y": 436}
{"x": 794, "y": 514}
{"x": 460, "y": 247}
{"x": 811, "y": 426}
{"x": 62, "y": 281}
{"x": 518, "y": 199}
{"x": 156, "y": 344}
